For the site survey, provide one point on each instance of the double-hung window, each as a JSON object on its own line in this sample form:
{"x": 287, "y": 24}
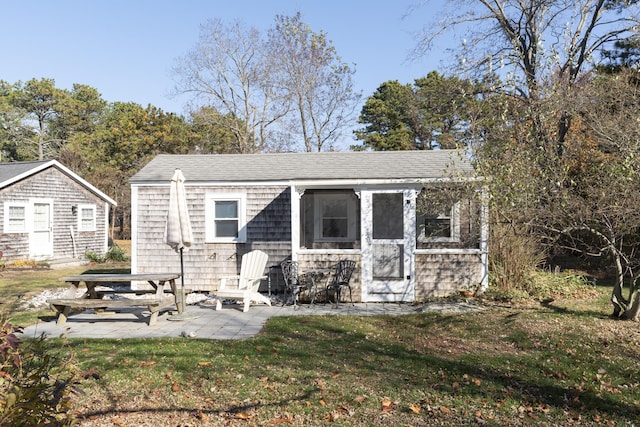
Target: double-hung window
{"x": 87, "y": 218}
{"x": 225, "y": 218}
{"x": 441, "y": 226}
{"x": 15, "y": 217}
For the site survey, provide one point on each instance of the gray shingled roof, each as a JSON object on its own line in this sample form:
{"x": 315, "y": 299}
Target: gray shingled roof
{"x": 306, "y": 166}
{"x": 15, "y": 171}
{"x": 9, "y": 171}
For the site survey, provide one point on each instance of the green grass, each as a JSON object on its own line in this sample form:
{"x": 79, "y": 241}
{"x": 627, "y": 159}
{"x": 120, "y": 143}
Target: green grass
{"x": 554, "y": 363}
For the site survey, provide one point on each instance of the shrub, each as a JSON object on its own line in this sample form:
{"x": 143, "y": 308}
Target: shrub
{"x": 35, "y": 382}
{"x": 514, "y": 255}
{"x": 114, "y": 254}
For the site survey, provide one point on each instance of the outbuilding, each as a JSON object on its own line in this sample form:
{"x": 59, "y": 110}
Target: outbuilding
{"x": 49, "y": 213}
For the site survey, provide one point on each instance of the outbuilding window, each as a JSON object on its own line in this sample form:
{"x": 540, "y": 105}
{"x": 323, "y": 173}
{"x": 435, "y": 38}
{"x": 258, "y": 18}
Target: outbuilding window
{"x": 15, "y": 217}
{"x": 87, "y": 218}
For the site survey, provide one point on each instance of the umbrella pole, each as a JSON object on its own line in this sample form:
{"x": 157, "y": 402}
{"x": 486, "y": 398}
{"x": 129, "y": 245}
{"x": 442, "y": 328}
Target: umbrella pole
{"x": 182, "y": 297}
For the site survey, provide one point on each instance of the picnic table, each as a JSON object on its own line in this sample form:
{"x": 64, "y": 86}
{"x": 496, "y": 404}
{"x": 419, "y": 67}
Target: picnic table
{"x": 101, "y": 285}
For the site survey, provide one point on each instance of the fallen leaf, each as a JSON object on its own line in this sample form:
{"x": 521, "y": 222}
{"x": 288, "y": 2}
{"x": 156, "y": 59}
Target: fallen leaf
{"x": 444, "y": 409}
{"x": 200, "y": 416}
{"x": 414, "y": 408}
{"x": 146, "y": 364}
{"x": 243, "y": 416}
{"x": 117, "y": 422}
{"x": 284, "y": 418}
{"x": 360, "y": 398}
{"x": 387, "y": 405}
{"x": 205, "y": 364}
{"x": 175, "y": 387}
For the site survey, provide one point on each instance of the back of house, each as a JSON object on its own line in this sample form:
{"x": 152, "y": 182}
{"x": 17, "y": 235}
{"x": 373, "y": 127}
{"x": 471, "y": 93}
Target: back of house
{"x": 414, "y": 221}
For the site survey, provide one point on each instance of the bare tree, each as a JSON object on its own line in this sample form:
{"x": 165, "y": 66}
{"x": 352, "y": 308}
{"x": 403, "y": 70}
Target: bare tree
{"x": 229, "y": 70}
{"x": 318, "y": 84}
{"x": 267, "y": 91}
{"x": 533, "y": 43}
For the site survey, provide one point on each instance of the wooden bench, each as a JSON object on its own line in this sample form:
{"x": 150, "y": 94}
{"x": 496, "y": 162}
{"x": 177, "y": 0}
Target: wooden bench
{"x": 93, "y": 298}
{"x": 103, "y": 292}
{"x": 63, "y": 306}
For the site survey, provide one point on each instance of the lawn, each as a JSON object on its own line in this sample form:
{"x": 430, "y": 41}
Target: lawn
{"x": 560, "y": 363}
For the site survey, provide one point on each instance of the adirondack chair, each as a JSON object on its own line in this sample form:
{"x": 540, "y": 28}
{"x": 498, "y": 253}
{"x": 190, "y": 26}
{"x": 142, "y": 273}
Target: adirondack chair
{"x": 251, "y": 273}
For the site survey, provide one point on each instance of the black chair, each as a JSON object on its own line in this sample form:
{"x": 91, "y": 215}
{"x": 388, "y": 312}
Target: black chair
{"x": 292, "y": 282}
{"x": 341, "y": 278}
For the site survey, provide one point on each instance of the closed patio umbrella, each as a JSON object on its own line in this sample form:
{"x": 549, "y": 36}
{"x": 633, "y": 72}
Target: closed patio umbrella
{"x": 178, "y": 233}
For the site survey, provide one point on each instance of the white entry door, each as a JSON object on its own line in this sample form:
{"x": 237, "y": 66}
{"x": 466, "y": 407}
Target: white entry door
{"x": 41, "y": 237}
{"x": 388, "y": 248}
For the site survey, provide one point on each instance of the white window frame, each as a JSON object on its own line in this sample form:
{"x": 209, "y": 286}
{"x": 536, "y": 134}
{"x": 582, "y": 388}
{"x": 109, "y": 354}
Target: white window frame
{"x": 320, "y": 201}
{"x": 209, "y": 212}
{"x": 454, "y": 227}
{"x": 8, "y": 228}
{"x": 80, "y": 218}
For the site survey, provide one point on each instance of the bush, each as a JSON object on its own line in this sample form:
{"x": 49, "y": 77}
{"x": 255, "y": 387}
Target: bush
{"x": 514, "y": 255}
{"x": 115, "y": 254}
{"x": 35, "y": 382}
{"x": 94, "y": 257}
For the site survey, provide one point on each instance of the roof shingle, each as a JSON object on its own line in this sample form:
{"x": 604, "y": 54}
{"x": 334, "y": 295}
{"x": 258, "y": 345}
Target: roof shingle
{"x": 306, "y": 166}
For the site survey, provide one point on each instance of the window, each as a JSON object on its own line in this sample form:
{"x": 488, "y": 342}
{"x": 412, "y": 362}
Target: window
{"x": 86, "y": 218}
{"x": 336, "y": 218}
{"x": 225, "y": 218}
{"x": 15, "y": 217}
{"x": 442, "y": 226}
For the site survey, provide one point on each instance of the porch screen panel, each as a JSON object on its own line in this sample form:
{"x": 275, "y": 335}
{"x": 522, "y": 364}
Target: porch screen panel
{"x": 388, "y": 261}
{"x": 388, "y": 216}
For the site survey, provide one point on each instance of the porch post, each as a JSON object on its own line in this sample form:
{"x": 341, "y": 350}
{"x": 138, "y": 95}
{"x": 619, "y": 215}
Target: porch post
{"x": 484, "y": 238}
{"x": 295, "y": 222}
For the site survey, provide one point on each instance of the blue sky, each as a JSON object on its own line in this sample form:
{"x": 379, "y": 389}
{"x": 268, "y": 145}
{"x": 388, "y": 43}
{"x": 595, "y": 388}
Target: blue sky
{"x": 125, "y": 49}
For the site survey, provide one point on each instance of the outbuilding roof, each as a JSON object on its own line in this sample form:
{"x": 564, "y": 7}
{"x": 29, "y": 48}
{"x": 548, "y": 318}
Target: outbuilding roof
{"x": 13, "y": 172}
{"x": 370, "y": 165}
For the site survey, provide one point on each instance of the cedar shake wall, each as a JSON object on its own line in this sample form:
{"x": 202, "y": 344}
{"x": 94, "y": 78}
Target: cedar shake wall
{"x": 65, "y": 193}
{"x": 268, "y": 229}
{"x": 439, "y": 275}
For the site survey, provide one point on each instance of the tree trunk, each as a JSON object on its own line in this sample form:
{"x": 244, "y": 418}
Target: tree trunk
{"x": 633, "y": 310}
{"x": 624, "y": 308}
{"x": 620, "y": 303}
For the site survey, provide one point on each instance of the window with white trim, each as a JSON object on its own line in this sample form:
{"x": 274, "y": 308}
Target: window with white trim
{"x": 86, "y": 217}
{"x": 225, "y": 218}
{"x": 15, "y": 217}
{"x": 440, "y": 226}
